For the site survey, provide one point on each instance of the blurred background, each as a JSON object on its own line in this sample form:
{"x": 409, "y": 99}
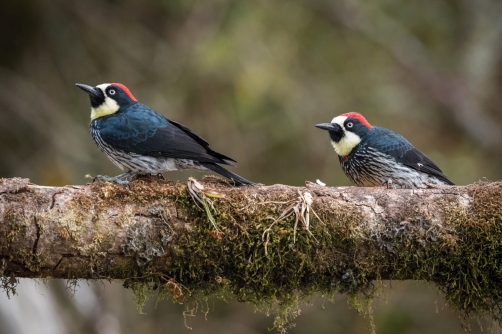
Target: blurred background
{"x": 253, "y": 78}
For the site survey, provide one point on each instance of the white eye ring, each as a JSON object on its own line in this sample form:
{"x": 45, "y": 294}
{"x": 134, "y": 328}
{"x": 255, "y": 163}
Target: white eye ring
{"x": 350, "y": 124}
{"x": 111, "y": 92}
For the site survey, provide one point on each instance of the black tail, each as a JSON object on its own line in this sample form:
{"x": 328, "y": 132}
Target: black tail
{"x": 240, "y": 181}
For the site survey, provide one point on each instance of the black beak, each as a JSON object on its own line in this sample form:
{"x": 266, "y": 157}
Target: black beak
{"x": 95, "y": 94}
{"x": 328, "y": 126}
{"x": 89, "y": 90}
{"x": 335, "y": 130}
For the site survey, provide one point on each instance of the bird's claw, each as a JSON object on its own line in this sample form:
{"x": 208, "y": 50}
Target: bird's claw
{"x": 388, "y": 184}
{"x": 123, "y": 179}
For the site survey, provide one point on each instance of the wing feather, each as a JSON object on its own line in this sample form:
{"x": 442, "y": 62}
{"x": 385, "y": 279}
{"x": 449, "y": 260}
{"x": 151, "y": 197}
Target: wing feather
{"x": 146, "y": 132}
{"x": 401, "y": 149}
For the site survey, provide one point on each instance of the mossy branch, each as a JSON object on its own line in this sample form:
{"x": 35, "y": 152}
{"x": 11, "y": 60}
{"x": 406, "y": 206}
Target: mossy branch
{"x": 271, "y": 245}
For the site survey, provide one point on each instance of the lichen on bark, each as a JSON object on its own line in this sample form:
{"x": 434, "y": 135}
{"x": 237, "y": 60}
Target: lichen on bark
{"x": 264, "y": 249}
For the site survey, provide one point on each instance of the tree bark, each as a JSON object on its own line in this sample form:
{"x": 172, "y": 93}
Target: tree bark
{"x": 263, "y": 244}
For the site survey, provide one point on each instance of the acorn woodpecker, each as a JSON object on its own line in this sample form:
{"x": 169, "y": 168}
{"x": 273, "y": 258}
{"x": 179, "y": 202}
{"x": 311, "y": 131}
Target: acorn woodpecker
{"x": 139, "y": 140}
{"x": 373, "y": 156}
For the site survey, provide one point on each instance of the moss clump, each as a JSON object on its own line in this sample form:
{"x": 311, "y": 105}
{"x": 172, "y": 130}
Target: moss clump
{"x": 233, "y": 262}
{"x": 462, "y": 255}
{"x": 461, "y": 252}
{"x": 470, "y": 271}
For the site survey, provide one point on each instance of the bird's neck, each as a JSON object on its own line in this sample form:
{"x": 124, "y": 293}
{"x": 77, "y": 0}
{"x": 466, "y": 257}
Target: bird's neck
{"x": 109, "y": 107}
{"x": 346, "y": 144}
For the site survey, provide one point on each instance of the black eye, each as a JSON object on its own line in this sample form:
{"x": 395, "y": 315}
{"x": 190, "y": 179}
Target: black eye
{"x": 111, "y": 92}
{"x": 350, "y": 124}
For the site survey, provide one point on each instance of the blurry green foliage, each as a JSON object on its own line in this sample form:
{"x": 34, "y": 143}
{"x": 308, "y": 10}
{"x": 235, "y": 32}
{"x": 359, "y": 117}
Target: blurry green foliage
{"x": 254, "y": 78}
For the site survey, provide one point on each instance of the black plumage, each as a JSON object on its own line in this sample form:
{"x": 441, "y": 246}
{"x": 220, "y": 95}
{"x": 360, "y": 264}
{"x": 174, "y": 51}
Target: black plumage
{"x": 375, "y": 156}
{"x": 398, "y": 147}
{"x": 139, "y": 140}
{"x": 142, "y": 130}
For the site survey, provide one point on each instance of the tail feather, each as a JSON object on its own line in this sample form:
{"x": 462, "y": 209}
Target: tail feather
{"x": 240, "y": 181}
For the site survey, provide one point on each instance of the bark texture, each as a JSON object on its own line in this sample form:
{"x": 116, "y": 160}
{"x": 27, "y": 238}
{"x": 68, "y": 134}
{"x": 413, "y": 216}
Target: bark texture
{"x": 263, "y": 244}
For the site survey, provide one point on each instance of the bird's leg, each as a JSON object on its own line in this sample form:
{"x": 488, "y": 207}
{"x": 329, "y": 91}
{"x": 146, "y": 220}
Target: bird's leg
{"x": 388, "y": 184}
{"x": 160, "y": 175}
{"x": 124, "y": 178}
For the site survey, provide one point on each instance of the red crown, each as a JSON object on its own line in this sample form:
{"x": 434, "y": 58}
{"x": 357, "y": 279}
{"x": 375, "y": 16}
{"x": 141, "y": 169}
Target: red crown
{"x": 126, "y": 90}
{"x": 359, "y": 117}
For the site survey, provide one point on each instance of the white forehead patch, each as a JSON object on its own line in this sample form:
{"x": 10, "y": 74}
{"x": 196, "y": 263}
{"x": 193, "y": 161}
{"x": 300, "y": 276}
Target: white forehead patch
{"x": 339, "y": 120}
{"x": 103, "y": 86}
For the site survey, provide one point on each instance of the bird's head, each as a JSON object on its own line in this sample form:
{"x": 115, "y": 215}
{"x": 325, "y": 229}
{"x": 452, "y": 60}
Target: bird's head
{"x": 107, "y": 98}
{"x": 346, "y": 131}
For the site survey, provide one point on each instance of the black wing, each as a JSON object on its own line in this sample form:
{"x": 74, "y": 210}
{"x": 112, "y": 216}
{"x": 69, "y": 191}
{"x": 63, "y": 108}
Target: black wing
{"x": 401, "y": 149}
{"x": 144, "y": 131}
{"x": 415, "y": 159}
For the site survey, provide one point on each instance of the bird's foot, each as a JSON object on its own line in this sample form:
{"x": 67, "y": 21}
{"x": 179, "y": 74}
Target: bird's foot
{"x": 123, "y": 179}
{"x": 115, "y": 179}
{"x": 388, "y": 184}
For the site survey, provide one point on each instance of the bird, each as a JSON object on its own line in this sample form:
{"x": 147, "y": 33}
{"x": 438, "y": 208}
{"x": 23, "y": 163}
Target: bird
{"x": 139, "y": 140}
{"x": 374, "y": 156}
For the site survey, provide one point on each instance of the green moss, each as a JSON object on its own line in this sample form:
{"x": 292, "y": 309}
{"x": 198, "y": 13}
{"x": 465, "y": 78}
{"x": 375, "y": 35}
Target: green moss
{"x": 463, "y": 256}
{"x": 123, "y": 267}
{"x": 210, "y": 264}
{"x": 469, "y": 269}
